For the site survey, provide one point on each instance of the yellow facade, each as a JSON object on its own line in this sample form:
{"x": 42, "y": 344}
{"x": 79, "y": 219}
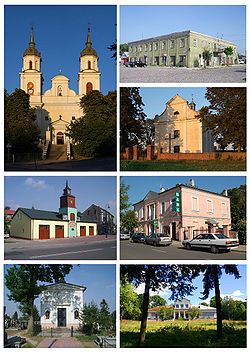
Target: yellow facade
{"x": 178, "y": 128}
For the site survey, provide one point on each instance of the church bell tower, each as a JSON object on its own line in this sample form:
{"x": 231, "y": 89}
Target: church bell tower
{"x": 89, "y": 75}
{"x": 68, "y": 210}
{"x": 31, "y": 78}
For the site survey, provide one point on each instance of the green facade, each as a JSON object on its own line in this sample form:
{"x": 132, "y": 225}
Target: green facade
{"x": 184, "y": 49}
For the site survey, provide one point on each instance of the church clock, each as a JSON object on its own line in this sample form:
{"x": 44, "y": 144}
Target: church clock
{"x": 30, "y": 88}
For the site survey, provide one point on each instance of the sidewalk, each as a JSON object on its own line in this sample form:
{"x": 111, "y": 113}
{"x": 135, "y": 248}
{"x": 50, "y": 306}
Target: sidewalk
{"x": 60, "y": 343}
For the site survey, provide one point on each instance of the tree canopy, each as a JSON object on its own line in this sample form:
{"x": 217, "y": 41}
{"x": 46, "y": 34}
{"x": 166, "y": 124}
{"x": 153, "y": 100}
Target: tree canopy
{"x": 225, "y": 112}
{"x": 20, "y": 129}
{"x": 94, "y": 134}
{"x": 132, "y": 117}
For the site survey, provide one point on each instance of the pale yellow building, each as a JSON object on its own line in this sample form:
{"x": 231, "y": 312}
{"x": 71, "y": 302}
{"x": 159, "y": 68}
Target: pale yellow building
{"x": 178, "y": 129}
{"x": 58, "y": 106}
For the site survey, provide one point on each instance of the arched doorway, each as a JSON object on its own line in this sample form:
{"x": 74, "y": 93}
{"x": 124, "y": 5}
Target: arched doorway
{"x": 60, "y": 138}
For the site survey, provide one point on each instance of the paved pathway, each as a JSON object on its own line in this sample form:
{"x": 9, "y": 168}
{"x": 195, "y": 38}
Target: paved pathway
{"x": 60, "y": 343}
{"x": 236, "y": 73}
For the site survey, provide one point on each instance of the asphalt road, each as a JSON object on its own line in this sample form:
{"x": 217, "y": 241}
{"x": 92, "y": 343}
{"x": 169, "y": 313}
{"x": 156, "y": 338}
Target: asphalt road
{"x": 235, "y": 73}
{"x": 99, "y": 248}
{"x": 175, "y": 251}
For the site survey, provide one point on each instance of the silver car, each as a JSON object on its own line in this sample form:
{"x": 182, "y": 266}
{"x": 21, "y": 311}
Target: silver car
{"x": 212, "y": 242}
{"x": 158, "y": 240}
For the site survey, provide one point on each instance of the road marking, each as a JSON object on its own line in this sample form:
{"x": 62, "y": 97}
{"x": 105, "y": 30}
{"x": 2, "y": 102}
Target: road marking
{"x": 62, "y": 254}
{"x": 154, "y": 249}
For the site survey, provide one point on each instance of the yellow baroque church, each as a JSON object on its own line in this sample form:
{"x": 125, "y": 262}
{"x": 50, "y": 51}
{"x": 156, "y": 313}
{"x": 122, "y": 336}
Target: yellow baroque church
{"x": 58, "y": 106}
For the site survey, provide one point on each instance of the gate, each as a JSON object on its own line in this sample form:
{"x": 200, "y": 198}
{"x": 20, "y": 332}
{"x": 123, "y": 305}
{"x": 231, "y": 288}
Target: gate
{"x": 59, "y": 232}
{"x": 44, "y": 232}
{"x": 82, "y": 230}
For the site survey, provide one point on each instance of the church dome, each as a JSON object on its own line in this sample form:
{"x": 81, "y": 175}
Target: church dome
{"x": 88, "y": 50}
{"x": 31, "y": 50}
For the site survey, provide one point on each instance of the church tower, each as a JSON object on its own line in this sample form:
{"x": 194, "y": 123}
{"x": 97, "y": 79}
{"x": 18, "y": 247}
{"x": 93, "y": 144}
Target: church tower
{"x": 31, "y": 78}
{"x": 68, "y": 210}
{"x": 89, "y": 75}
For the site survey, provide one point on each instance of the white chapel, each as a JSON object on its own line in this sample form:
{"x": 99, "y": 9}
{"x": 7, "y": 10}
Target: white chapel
{"x": 58, "y": 106}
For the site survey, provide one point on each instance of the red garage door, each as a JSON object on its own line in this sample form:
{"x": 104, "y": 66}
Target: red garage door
{"x": 82, "y": 230}
{"x": 44, "y": 232}
{"x": 59, "y": 231}
{"x": 91, "y": 231}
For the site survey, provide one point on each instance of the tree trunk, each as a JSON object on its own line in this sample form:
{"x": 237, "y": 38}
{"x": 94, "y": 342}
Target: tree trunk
{"x": 30, "y": 328}
{"x": 145, "y": 308}
{"x": 239, "y": 147}
{"x": 217, "y": 301}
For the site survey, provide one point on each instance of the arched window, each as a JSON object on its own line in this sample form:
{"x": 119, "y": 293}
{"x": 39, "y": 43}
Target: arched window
{"x": 89, "y": 87}
{"x": 47, "y": 314}
{"x": 89, "y": 64}
{"x": 30, "y": 64}
{"x": 72, "y": 217}
{"x": 76, "y": 314}
{"x": 59, "y": 90}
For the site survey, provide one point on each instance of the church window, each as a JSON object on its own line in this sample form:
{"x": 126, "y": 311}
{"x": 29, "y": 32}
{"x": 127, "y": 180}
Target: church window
{"x": 76, "y": 314}
{"x": 176, "y": 112}
{"x": 73, "y": 118}
{"x": 47, "y": 314}
{"x": 46, "y": 118}
{"x": 30, "y": 64}
{"x": 72, "y": 217}
{"x": 176, "y": 134}
{"x": 59, "y": 91}
{"x": 89, "y": 87}
{"x": 89, "y": 64}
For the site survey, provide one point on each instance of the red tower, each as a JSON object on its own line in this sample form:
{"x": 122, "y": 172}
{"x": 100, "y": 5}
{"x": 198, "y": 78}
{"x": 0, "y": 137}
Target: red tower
{"x": 67, "y": 200}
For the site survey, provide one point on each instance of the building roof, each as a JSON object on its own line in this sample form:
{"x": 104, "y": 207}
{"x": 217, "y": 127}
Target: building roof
{"x": 97, "y": 207}
{"x": 155, "y": 194}
{"x": 66, "y": 284}
{"x": 9, "y": 211}
{"x": 88, "y": 50}
{"x": 31, "y": 50}
{"x": 51, "y": 215}
{"x": 177, "y": 35}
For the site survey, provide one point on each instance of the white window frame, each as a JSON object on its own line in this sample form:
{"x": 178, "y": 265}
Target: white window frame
{"x": 197, "y": 203}
{"x": 182, "y": 43}
{"x": 195, "y": 42}
{"x": 224, "y": 212}
{"x": 211, "y": 204}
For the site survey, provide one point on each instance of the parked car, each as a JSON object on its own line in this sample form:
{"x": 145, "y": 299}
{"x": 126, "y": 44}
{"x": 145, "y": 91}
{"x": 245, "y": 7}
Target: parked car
{"x": 124, "y": 235}
{"x": 135, "y": 64}
{"x": 156, "y": 239}
{"x": 6, "y": 234}
{"x": 212, "y": 242}
{"x": 241, "y": 61}
{"x": 138, "y": 237}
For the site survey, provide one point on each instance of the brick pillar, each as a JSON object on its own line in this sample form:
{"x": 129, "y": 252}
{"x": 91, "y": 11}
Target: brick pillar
{"x": 213, "y": 229}
{"x": 226, "y": 230}
{"x": 190, "y": 232}
{"x": 135, "y": 152}
{"x": 149, "y": 152}
{"x": 126, "y": 154}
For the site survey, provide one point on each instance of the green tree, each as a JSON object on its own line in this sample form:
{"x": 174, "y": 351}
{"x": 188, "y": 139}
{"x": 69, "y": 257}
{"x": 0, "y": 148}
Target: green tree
{"x": 132, "y": 117}
{"x": 89, "y": 318}
{"x": 238, "y": 211}
{"x": 6, "y": 224}
{"x": 123, "y": 48}
{"x": 157, "y": 300}
{"x": 94, "y": 134}
{"x": 19, "y": 122}
{"x": 15, "y": 316}
{"x": 166, "y": 313}
{"x": 129, "y": 302}
{"x": 105, "y": 317}
{"x": 211, "y": 277}
{"x": 25, "y": 282}
{"x": 129, "y": 220}
{"x": 228, "y": 51}
{"x": 226, "y": 110}
{"x": 177, "y": 277}
{"x": 194, "y": 312}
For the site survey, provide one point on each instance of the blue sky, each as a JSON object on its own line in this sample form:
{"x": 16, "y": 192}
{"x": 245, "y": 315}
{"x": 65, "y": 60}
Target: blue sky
{"x": 140, "y": 186}
{"x": 155, "y": 98}
{"x": 100, "y": 281}
{"x": 229, "y": 286}
{"x": 141, "y": 22}
{"x": 44, "y": 192}
{"x": 60, "y": 37}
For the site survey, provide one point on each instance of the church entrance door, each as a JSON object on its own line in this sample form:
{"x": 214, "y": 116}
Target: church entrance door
{"x": 60, "y": 138}
{"x": 61, "y": 317}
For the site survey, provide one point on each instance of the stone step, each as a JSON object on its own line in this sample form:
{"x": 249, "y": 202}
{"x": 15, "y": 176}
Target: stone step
{"x": 57, "y": 153}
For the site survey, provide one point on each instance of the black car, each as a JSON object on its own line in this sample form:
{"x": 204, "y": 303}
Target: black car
{"x": 138, "y": 237}
{"x": 135, "y": 64}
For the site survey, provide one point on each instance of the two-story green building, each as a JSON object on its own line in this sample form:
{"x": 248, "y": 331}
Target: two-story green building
{"x": 185, "y": 49}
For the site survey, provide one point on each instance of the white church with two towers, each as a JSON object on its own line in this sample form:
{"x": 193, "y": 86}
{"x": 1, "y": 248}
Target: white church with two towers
{"x": 57, "y": 107}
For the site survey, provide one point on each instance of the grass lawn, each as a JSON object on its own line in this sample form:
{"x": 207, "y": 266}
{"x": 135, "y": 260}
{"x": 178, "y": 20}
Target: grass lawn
{"x": 183, "y": 165}
{"x": 32, "y": 342}
{"x": 182, "y": 334}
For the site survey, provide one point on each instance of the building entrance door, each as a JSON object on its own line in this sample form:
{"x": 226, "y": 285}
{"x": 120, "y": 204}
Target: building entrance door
{"x": 61, "y": 317}
{"x": 174, "y": 230}
{"x": 60, "y": 138}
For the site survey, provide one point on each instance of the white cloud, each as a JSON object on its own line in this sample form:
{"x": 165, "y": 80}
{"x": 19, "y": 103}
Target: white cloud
{"x": 35, "y": 183}
{"x": 235, "y": 295}
{"x": 162, "y": 292}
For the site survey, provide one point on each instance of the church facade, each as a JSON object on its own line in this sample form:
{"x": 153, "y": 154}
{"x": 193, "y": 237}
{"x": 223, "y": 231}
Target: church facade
{"x": 59, "y": 106}
{"x": 33, "y": 224}
{"x": 61, "y": 304}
